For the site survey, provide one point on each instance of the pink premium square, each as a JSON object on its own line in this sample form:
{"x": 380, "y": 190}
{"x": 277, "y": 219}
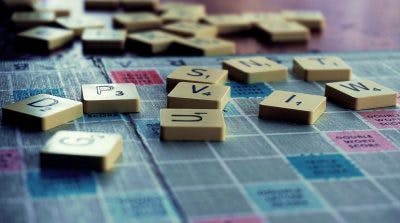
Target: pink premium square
{"x": 361, "y": 141}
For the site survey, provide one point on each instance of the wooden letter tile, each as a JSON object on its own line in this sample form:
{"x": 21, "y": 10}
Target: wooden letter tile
{"x": 360, "y": 94}
{"x": 191, "y": 29}
{"x": 103, "y": 40}
{"x": 110, "y": 98}
{"x": 137, "y": 21}
{"x": 255, "y": 18}
{"x": 150, "y": 42}
{"x": 59, "y": 8}
{"x": 101, "y": 4}
{"x": 292, "y": 106}
{"x": 45, "y": 38}
{"x": 42, "y": 111}
{"x": 192, "y": 124}
{"x": 206, "y": 75}
{"x": 310, "y": 19}
{"x": 197, "y": 95}
{"x": 78, "y": 24}
{"x": 183, "y": 13}
{"x": 139, "y": 5}
{"x": 204, "y": 46}
{"x": 88, "y": 150}
{"x": 255, "y": 69}
{"x": 229, "y": 23}
{"x": 283, "y": 31}
{"x": 321, "y": 68}
{"x": 20, "y": 5}
{"x": 24, "y": 20}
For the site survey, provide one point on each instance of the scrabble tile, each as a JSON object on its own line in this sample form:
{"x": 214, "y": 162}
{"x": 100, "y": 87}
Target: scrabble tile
{"x": 16, "y": 5}
{"x": 228, "y": 23}
{"x": 182, "y": 14}
{"x": 192, "y": 124}
{"x": 360, "y": 94}
{"x": 262, "y": 16}
{"x": 101, "y": 4}
{"x": 23, "y": 20}
{"x": 309, "y": 18}
{"x": 42, "y": 111}
{"x": 292, "y": 106}
{"x": 78, "y": 24}
{"x": 191, "y": 29}
{"x": 103, "y": 40}
{"x": 188, "y": 6}
{"x": 150, "y": 41}
{"x": 283, "y": 31}
{"x": 198, "y": 95}
{"x": 137, "y": 21}
{"x": 255, "y": 69}
{"x": 206, "y": 75}
{"x": 75, "y": 149}
{"x": 280, "y": 30}
{"x": 204, "y": 46}
{"x": 45, "y": 38}
{"x": 110, "y": 98}
{"x": 140, "y": 4}
{"x": 321, "y": 68}
{"x": 59, "y": 9}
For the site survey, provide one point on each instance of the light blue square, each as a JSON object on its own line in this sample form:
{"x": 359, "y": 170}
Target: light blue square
{"x": 230, "y": 110}
{"x": 51, "y": 183}
{"x": 149, "y": 128}
{"x": 324, "y": 166}
{"x": 26, "y": 93}
{"x": 283, "y": 197}
{"x": 144, "y": 206}
{"x": 239, "y": 90}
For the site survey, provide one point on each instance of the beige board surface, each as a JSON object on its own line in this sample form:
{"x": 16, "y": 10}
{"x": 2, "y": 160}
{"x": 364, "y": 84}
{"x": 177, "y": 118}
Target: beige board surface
{"x": 101, "y": 4}
{"x": 110, "y": 98}
{"x": 324, "y": 68}
{"x": 24, "y": 20}
{"x": 138, "y": 5}
{"x": 309, "y": 18}
{"x": 255, "y": 69}
{"x": 360, "y": 94}
{"x": 191, "y": 29}
{"x": 284, "y": 31}
{"x": 103, "y": 40}
{"x": 46, "y": 38}
{"x": 137, "y": 21}
{"x": 150, "y": 41}
{"x": 76, "y": 149}
{"x": 78, "y": 24}
{"x": 198, "y": 95}
{"x": 195, "y": 74}
{"x": 204, "y": 46}
{"x": 229, "y": 23}
{"x": 292, "y": 106}
{"x": 42, "y": 112}
{"x": 192, "y": 124}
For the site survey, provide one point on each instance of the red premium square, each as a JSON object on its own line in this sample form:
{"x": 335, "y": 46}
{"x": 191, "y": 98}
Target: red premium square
{"x": 138, "y": 77}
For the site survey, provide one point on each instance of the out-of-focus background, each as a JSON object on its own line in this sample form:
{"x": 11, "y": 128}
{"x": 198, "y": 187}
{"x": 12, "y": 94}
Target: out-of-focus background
{"x": 351, "y": 25}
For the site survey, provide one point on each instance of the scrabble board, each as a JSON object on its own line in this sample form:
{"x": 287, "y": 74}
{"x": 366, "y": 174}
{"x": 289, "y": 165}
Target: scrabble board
{"x": 344, "y": 168}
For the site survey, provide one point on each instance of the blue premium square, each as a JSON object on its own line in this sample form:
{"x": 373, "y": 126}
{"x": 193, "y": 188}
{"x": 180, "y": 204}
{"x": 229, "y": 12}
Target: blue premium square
{"x": 283, "y": 197}
{"x": 324, "y": 166}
